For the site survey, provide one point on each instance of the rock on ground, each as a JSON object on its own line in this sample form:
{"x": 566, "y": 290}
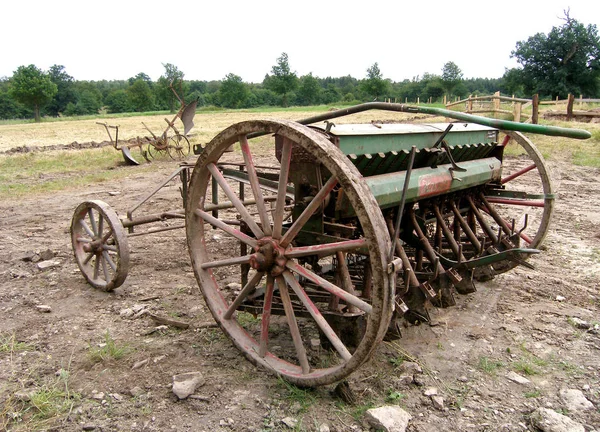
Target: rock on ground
{"x": 548, "y": 420}
{"x": 185, "y": 384}
{"x": 388, "y": 418}
{"x": 574, "y": 400}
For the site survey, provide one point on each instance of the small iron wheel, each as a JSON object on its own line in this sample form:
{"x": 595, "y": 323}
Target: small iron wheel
{"x": 179, "y": 147}
{"x": 289, "y": 296}
{"x": 100, "y": 245}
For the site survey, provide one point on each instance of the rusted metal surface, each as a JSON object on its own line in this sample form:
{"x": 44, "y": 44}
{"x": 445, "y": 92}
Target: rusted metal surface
{"x": 317, "y": 239}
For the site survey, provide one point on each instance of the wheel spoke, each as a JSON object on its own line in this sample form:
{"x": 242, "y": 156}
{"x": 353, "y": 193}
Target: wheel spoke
{"x": 88, "y": 258}
{"x": 326, "y": 249}
{"x": 235, "y": 200}
{"x": 100, "y": 225}
{"x": 254, "y": 184}
{"x": 229, "y": 230}
{"x": 92, "y": 221}
{"x": 328, "y": 286}
{"x": 96, "y": 266}
{"x": 250, "y": 286}
{"x": 516, "y": 201}
{"x": 293, "y": 324}
{"x": 518, "y": 173}
{"x": 266, "y": 317}
{"x": 110, "y": 261}
{"x": 104, "y": 268}
{"x": 245, "y": 259}
{"x": 286, "y": 157}
{"x": 317, "y": 316}
{"x": 109, "y": 248}
{"x": 86, "y": 228}
{"x": 84, "y": 240}
{"x": 308, "y": 212}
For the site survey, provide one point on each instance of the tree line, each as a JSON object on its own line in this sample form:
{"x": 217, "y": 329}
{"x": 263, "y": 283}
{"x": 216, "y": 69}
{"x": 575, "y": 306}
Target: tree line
{"x": 566, "y": 60}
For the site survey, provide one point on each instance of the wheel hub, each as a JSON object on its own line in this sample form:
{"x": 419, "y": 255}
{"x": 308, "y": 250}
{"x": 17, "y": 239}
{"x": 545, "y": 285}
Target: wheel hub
{"x": 269, "y": 257}
{"x": 95, "y": 246}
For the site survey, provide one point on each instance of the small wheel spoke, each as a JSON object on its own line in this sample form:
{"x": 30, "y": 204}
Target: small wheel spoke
{"x": 86, "y": 228}
{"x": 286, "y": 157}
{"x": 308, "y": 211}
{"x": 84, "y": 240}
{"x": 96, "y": 266}
{"x": 93, "y": 221}
{"x": 110, "y": 261}
{"x": 229, "y": 230}
{"x": 235, "y": 200}
{"x": 328, "y": 286}
{"x": 244, "y": 259}
{"x": 104, "y": 268}
{"x": 293, "y": 324}
{"x": 266, "y": 317}
{"x": 250, "y": 286}
{"x": 254, "y": 184}
{"x": 88, "y": 258}
{"x": 327, "y": 249}
{"x": 100, "y": 225}
{"x": 317, "y": 316}
{"x": 109, "y": 248}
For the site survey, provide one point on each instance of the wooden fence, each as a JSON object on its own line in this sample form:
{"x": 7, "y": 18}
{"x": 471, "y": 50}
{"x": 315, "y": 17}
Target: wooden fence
{"x": 497, "y": 105}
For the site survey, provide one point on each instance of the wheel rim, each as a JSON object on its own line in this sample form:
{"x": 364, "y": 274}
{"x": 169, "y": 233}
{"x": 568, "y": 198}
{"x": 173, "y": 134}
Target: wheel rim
{"x": 157, "y": 152}
{"x": 179, "y": 147}
{"x": 266, "y": 239}
{"x": 527, "y": 191}
{"x": 100, "y": 245}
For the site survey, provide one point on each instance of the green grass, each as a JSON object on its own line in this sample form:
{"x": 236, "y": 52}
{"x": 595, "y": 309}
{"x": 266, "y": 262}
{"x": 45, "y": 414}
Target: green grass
{"x": 394, "y": 396}
{"x": 42, "y": 172}
{"x": 532, "y": 394}
{"x": 304, "y": 398}
{"x": 489, "y": 366}
{"x": 525, "y": 367}
{"x": 108, "y": 350}
{"x": 9, "y": 344}
{"x": 43, "y": 406}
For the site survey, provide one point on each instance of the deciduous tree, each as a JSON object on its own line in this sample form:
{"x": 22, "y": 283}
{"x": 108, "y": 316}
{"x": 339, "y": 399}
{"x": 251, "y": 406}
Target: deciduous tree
{"x": 451, "y": 77}
{"x": 282, "y": 81}
{"x": 172, "y": 77}
{"x": 233, "y": 92}
{"x": 374, "y": 85}
{"x": 566, "y": 60}
{"x": 32, "y": 87}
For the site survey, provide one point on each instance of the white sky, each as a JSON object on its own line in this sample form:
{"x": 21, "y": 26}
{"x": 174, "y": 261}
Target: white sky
{"x": 112, "y": 39}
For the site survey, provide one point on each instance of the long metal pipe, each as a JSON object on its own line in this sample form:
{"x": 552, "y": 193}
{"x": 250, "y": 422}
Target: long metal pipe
{"x": 495, "y": 123}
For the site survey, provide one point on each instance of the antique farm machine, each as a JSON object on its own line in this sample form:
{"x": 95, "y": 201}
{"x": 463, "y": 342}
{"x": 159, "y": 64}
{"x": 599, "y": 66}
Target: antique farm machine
{"x": 313, "y": 239}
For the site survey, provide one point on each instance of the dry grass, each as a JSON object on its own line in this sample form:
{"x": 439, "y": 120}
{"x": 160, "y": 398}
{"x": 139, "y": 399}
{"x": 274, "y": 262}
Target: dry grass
{"x": 207, "y": 125}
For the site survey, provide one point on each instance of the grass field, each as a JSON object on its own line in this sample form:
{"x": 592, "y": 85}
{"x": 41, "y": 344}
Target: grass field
{"x": 40, "y": 172}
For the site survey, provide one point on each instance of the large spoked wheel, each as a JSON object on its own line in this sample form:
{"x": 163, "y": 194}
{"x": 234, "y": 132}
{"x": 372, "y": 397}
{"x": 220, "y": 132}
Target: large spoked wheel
{"x": 524, "y": 199}
{"x": 100, "y": 245}
{"x": 179, "y": 147}
{"x": 292, "y": 294}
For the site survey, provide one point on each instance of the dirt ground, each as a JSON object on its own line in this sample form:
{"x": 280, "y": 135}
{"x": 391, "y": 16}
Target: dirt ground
{"x": 525, "y": 321}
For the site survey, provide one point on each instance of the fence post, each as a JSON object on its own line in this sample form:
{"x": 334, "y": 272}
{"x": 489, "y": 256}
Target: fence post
{"x": 517, "y": 112}
{"x": 418, "y": 99}
{"x": 496, "y": 102}
{"x": 535, "y": 106}
{"x": 470, "y": 105}
{"x": 570, "y": 101}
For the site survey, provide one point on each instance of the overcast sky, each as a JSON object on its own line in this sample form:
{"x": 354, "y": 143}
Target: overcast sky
{"x": 115, "y": 40}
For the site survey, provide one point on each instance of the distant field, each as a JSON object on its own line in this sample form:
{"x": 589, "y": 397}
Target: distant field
{"x": 207, "y": 125}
